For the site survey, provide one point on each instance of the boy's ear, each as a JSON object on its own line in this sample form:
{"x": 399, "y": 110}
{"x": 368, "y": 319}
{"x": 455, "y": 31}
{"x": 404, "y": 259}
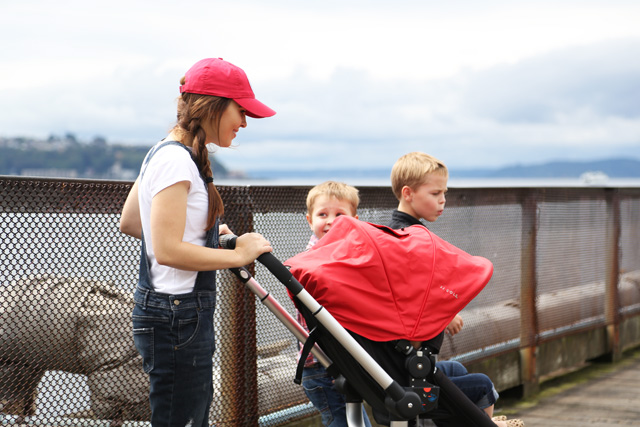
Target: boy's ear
{"x": 309, "y": 221}
{"x": 407, "y": 193}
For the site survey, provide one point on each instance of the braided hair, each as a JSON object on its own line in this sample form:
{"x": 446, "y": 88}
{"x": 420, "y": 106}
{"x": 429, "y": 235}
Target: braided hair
{"x": 193, "y": 111}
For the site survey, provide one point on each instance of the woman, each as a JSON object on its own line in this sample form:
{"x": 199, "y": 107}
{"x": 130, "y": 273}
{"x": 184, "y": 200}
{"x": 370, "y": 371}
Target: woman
{"x": 174, "y": 208}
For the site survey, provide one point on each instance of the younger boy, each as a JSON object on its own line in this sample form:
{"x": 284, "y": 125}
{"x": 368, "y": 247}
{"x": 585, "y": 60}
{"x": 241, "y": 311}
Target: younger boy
{"x": 419, "y": 182}
{"x": 326, "y": 202}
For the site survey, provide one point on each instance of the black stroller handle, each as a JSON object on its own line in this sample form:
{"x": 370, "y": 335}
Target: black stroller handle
{"x": 228, "y": 241}
{"x": 282, "y": 273}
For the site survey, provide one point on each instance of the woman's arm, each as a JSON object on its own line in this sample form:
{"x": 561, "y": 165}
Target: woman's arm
{"x": 168, "y": 219}
{"x": 130, "y": 222}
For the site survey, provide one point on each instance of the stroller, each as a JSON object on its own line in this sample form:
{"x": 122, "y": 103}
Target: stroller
{"x": 396, "y": 276}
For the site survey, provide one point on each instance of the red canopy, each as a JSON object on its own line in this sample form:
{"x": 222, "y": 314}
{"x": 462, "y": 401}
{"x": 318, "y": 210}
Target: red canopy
{"x": 387, "y": 284}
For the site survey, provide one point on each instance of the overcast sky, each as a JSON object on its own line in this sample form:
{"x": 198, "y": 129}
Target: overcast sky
{"x": 355, "y": 83}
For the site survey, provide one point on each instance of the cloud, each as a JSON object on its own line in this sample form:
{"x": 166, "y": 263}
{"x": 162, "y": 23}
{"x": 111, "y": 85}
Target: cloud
{"x": 133, "y": 103}
{"x": 572, "y": 103}
{"x": 598, "y": 79}
{"x": 355, "y": 85}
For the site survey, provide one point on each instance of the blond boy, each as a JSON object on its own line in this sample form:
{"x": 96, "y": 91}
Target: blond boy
{"x": 419, "y": 182}
{"x": 326, "y": 202}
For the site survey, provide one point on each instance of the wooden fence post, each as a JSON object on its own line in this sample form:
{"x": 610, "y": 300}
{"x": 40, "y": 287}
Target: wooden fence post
{"x": 528, "y": 289}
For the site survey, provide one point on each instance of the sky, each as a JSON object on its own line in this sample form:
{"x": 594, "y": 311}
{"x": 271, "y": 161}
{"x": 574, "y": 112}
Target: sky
{"x": 355, "y": 83}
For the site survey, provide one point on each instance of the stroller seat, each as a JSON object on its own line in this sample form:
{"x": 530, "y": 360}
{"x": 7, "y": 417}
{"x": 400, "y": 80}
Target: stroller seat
{"x": 352, "y": 380}
{"x": 450, "y": 407}
{"x": 385, "y": 288}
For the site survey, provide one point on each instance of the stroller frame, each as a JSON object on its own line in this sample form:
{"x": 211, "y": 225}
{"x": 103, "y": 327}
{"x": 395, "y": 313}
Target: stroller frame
{"x": 405, "y": 403}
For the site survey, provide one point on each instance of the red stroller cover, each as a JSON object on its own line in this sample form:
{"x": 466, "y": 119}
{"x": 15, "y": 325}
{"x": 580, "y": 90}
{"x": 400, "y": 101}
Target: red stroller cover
{"x": 387, "y": 284}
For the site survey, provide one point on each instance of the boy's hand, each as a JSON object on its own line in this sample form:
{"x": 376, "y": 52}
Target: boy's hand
{"x": 455, "y": 326}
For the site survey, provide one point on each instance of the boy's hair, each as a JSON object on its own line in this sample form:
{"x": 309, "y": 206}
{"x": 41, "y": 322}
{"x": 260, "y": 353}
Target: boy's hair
{"x": 339, "y": 190}
{"x": 413, "y": 170}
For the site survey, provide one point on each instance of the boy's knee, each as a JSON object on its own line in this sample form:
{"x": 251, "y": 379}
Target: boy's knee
{"x": 452, "y": 368}
{"x": 486, "y": 381}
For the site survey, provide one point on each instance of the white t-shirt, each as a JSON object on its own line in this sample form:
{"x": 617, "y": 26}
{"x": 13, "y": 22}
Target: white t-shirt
{"x": 169, "y": 165}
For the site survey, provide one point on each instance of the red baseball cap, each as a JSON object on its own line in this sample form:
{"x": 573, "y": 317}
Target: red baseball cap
{"x": 214, "y": 76}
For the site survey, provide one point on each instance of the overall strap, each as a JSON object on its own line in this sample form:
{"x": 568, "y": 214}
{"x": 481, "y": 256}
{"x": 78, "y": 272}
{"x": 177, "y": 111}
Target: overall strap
{"x": 155, "y": 149}
{"x": 205, "y": 280}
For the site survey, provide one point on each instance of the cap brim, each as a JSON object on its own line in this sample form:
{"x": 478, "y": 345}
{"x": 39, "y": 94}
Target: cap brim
{"x": 255, "y": 108}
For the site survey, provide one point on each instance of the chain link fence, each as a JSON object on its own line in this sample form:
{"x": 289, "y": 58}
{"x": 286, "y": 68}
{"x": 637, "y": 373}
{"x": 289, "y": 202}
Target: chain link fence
{"x": 567, "y": 260}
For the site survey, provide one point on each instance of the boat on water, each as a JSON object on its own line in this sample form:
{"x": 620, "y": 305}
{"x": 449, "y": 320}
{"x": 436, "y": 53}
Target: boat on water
{"x": 594, "y": 178}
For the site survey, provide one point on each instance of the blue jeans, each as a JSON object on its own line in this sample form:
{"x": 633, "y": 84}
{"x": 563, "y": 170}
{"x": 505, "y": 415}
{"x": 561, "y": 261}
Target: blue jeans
{"x": 477, "y": 387}
{"x": 318, "y": 386}
{"x": 174, "y": 335}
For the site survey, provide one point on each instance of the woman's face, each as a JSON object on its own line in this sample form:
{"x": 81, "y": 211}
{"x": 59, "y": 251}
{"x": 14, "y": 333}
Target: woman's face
{"x": 233, "y": 118}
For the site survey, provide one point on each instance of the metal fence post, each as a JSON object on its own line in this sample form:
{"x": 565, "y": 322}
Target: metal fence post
{"x": 528, "y": 288}
{"x": 612, "y": 298}
{"x": 237, "y": 347}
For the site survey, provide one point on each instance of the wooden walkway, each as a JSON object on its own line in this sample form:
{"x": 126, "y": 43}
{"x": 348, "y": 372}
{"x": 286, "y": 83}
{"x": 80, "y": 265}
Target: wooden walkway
{"x": 599, "y": 396}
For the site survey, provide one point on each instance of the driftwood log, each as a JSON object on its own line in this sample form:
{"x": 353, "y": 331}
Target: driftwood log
{"x": 82, "y": 326}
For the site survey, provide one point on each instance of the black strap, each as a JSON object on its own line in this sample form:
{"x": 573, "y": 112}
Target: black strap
{"x": 404, "y": 347}
{"x": 306, "y": 349}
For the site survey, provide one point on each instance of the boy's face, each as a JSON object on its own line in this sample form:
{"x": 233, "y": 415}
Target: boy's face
{"x": 325, "y": 211}
{"x": 427, "y": 201}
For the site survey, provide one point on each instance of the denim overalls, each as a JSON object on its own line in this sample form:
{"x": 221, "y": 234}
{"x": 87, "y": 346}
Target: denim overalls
{"x": 175, "y": 337}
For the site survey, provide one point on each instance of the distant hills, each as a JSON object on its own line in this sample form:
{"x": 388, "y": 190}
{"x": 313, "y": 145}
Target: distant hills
{"x": 613, "y": 168}
{"x": 67, "y": 157}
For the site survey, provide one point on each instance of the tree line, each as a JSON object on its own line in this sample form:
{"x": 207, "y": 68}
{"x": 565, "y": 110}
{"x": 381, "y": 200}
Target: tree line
{"x": 89, "y": 160}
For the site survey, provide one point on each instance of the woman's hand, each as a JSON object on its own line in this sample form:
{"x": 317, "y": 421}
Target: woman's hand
{"x": 250, "y": 246}
{"x": 224, "y": 229}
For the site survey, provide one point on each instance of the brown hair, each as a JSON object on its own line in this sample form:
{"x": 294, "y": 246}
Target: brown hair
{"x": 339, "y": 190}
{"x": 413, "y": 170}
{"x": 193, "y": 111}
